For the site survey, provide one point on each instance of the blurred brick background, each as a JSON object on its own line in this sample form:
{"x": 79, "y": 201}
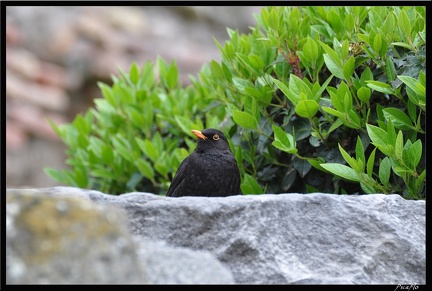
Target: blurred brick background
{"x": 56, "y": 55}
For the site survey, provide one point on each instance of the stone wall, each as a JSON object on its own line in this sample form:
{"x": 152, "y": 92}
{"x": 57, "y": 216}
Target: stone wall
{"x": 71, "y": 235}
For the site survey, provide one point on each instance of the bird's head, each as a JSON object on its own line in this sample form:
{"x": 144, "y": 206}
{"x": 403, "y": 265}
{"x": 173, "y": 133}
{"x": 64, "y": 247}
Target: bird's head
{"x": 211, "y": 138}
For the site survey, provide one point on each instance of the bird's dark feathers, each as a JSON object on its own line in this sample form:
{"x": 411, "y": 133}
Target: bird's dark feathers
{"x": 211, "y": 170}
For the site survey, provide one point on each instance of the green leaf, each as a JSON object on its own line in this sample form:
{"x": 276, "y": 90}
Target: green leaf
{"x": 404, "y": 24}
{"x": 344, "y": 48}
{"x": 263, "y": 95}
{"x": 221, "y": 49}
{"x": 250, "y": 185}
{"x": 240, "y": 84}
{"x": 354, "y": 120}
{"x": 161, "y": 168}
{"x": 244, "y": 119}
{"x": 250, "y": 106}
{"x": 186, "y": 125}
{"x": 227, "y": 72}
{"x": 216, "y": 70}
{"x": 333, "y": 61}
{"x": 414, "y": 98}
{"x": 318, "y": 94}
{"x": 212, "y": 121}
{"x": 348, "y": 68}
{"x": 377, "y": 43}
{"x": 125, "y": 79}
{"x": 302, "y": 166}
{"x": 285, "y": 90}
{"x": 283, "y": 140}
{"x": 56, "y": 175}
{"x": 246, "y": 62}
{"x": 391, "y": 132}
{"x": 122, "y": 147}
{"x": 342, "y": 171}
{"x": 402, "y": 44}
{"x": 294, "y": 19}
{"x": 349, "y": 22}
{"x": 399, "y": 119}
{"x": 107, "y": 93}
{"x": 103, "y": 174}
{"x": 384, "y": 171}
{"x": 336, "y": 99}
{"x": 310, "y": 50}
{"x": 316, "y": 163}
{"x": 273, "y": 19}
{"x": 364, "y": 94}
{"x": 81, "y": 178}
{"x": 360, "y": 155}
{"x": 401, "y": 171}
{"x": 147, "y": 75}
{"x": 123, "y": 93}
{"x": 415, "y": 153}
{"x": 334, "y": 20}
{"x": 366, "y": 76}
{"x": 412, "y": 110}
{"x": 351, "y": 161}
{"x": 302, "y": 128}
{"x": 256, "y": 62}
{"x": 58, "y": 130}
{"x": 281, "y": 135}
{"x": 390, "y": 69}
{"x": 107, "y": 154}
{"x": 307, "y": 108}
{"x": 96, "y": 145}
{"x": 380, "y": 87}
{"x": 378, "y": 136}
{"x": 145, "y": 168}
{"x": 134, "y": 180}
{"x": 172, "y": 76}
{"x": 389, "y": 25}
{"x": 399, "y": 146}
{"x": 334, "y": 112}
{"x": 103, "y": 106}
{"x": 279, "y": 145}
{"x": 332, "y": 54}
{"x": 414, "y": 85}
{"x": 296, "y": 87}
{"x": 422, "y": 78}
{"x": 370, "y": 163}
{"x": 368, "y": 189}
{"x": 137, "y": 117}
{"x": 253, "y": 92}
{"x": 335, "y": 125}
{"x": 420, "y": 180}
{"x": 148, "y": 148}
{"x": 334, "y": 67}
{"x": 134, "y": 73}
{"x": 347, "y": 102}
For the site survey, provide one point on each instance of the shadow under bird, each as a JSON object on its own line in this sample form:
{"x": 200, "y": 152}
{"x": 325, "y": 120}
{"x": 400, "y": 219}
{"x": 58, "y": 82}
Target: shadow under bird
{"x": 211, "y": 170}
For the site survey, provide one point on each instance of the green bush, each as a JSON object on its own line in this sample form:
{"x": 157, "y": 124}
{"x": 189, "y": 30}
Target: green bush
{"x": 138, "y": 132}
{"x": 303, "y": 91}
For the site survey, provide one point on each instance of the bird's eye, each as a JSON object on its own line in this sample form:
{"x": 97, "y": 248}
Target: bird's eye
{"x": 215, "y": 137}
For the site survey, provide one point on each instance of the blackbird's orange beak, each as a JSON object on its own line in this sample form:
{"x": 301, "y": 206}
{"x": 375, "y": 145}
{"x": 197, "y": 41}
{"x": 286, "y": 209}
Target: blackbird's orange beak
{"x": 199, "y": 134}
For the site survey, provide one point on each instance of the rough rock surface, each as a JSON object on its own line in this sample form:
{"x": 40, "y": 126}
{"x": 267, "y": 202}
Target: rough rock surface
{"x": 67, "y": 240}
{"x": 287, "y": 238}
{"x": 177, "y": 265}
{"x": 70, "y": 240}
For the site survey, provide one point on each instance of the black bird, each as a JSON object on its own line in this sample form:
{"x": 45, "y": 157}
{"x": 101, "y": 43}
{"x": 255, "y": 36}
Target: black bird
{"x": 211, "y": 170}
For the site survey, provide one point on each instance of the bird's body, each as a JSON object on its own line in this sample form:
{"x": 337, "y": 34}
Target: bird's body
{"x": 211, "y": 170}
